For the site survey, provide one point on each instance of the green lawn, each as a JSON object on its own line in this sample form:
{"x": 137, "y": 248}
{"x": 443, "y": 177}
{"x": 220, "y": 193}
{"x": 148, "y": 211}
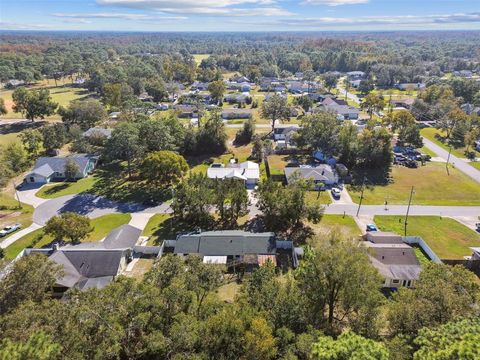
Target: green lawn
{"x": 66, "y": 188}
{"x": 159, "y": 228}
{"x": 6, "y": 139}
{"x": 37, "y": 239}
{"x": 446, "y": 237}
{"x": 475, "y": 164}
{"x": 432, "y": 187}
{"x": 199, "y": 57}
{"x": 320, "y": 197}
{"x": 430, "y": 133}
{"x": 11, "y": 214}
{"x": 427, "y": 151}
{"x": 345, "y": 224}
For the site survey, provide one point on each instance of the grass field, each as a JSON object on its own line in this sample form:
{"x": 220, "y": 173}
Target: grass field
{"x": 6, "y": 139}
{"x": 199, "y": 57}
{"x": 475, "y": 164}
{"x": 66, "y": 188}
{"x": 37, "y": 239}
{"x": 159, "y": 228}
{"x": 432, "y": 187}
{"x": 345, "y": 224}
{"x": 430, "y": 134}
{"x": 63, "y": 95}
{"x": 446, "y": 237}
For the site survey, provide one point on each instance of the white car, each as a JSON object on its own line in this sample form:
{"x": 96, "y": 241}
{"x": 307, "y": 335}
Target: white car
{"x": 336, "y": 193}
{"x": 9, "y": 229}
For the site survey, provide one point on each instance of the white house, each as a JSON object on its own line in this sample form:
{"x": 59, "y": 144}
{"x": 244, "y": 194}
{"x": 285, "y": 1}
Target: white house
{"x": 248, "y": 171}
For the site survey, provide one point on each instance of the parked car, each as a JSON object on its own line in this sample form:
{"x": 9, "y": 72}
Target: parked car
{"x": 9, "y": 229}
{"x": 371, "y": 227}
{"x": 477, "y": 227}
{"x": 335, "y": 193}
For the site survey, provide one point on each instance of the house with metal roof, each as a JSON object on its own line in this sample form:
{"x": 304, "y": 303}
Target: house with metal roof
{"x": 248, "y": 171}
{"x": 48, "y": 169}
{"x": 98, "y": 132}
{"x": 234, "y": 248}
{"x": 395, "y": 260}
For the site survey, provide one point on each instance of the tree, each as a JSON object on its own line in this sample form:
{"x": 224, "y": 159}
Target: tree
{"x": 29, "y": 280}
{"x": 245, "y": 135}
{"x": 54, "y": 136}
{"x": 448, "y": 122}
{"x": 15, "y": 157}
{"x": 372, "y": 103}
{"x": 32, "y": 141}
{"x": 443, "y": 293}
{"x": 84, "y": 113}
{"x": 408, "y": 133}
{"x": 330, "y": 80}
{"x": 71, "y": 170}
{"x": 157, "y": 89}
{"x": 35, "y": 103}
{"x": 259, "y": 341}
{"x": 305, "y": 102}
{"x": 348, "y": 144}
{"x": 231, "y": 200}
{"x": 217, "y": 89}
{"x": 454, "y": 340}
{"x": 284, "y": 208}
{"x": 69, "y": 225}
{"x": 375, "y": 149}
{"x": 39, "y": 346}
{"x": 348, "y": 346}
{"x": 320, "y": 132}
{"x": 366, "y": 86}
{"x": 117, "y": 95}
{"x": 211, "y": 138}
{"x": 3, "y": 108}
{"x": 276, "y": 108}
{"x": 124, "y": 144}
{"x": 340, "y": 285}
{"x": 164, "y": 168}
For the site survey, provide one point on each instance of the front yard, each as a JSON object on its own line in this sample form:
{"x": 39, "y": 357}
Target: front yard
{"x": 433, "y": 186}
{"x": 446, "y": 237}
{"x": 37, "y": 239}
{"x": 346, "y": 225}
{"x": 432, "y": 135}
{"x": 52, "y": 191}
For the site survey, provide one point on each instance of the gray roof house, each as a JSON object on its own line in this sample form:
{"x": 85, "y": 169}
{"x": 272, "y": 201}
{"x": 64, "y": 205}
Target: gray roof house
{"x": 394, "y": 260}
{"x": 344, "y": 112}
{"x": 233, "y": 248}
{"x": 96, "y": 131}
{"x": 321, "y": 175}
{"x": 228, "y": 114}
{"x": 47, "y": 169}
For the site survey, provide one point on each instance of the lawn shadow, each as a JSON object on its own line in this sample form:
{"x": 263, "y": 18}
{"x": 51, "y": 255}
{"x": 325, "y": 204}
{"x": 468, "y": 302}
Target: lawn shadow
{"x": 167, "y": 230}
{"x": 20, "y": 126}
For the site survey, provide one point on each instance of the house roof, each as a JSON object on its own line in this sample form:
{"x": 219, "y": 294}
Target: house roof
{"x": 224, "y": 243}
{"x": 81, "y": 265}
{"x": 125, "y": 236}
{"x": 379, "y": 237}
{"x": 395, "y": 261}
{"x": 246, "y": 170}
{"x": 321, "y": 172}
{"x": 49, "y": 165}
{"x": 98, "y": 131}
{"x": 342, "y": 109}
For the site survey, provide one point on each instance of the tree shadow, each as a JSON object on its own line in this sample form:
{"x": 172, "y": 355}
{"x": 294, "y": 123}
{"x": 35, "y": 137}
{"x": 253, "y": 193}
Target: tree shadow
{"x": 56, "y": 188}
{"x": 20, "y": 126}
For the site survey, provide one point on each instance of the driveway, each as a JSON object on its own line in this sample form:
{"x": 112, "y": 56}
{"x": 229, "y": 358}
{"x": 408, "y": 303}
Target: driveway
{"x": 91, "y": 206}
{"x": 27, "y": 195}
{"x": 460, "y": 164}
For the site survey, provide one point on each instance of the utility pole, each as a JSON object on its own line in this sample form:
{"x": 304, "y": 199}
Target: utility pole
{"x": 408, "y": 208}
{"x": 361, "y": 196}
{"x": 16, "y": 194}
{"x": 448, "y": 159}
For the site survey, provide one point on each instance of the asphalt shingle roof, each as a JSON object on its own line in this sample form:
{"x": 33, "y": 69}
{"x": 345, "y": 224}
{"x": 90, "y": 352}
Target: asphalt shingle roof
{"x": 57, "y": 163}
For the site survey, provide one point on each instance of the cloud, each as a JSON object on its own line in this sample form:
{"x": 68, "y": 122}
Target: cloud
{"x": 123, "y": 16}
{"x": 29, "y": 26}
{"x": 205, "y": 7}
{"x": 335, "y": 2}
{"x": 371, "y": 21}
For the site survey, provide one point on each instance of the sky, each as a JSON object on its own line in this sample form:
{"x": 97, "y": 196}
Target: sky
{"x": 239, "y": 15}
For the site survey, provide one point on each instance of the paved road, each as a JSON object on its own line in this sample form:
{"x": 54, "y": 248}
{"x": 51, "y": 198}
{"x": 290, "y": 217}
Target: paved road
{"x": 91, "y": 206}
{"x": 370, "y": 210}
{"x": 459, "y": 163}
{"x": 15, "y": 236}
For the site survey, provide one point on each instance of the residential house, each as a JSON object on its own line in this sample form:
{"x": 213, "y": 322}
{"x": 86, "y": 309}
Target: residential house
{"x": 48, "y": 169}
{"x": 355, "y": 83}
{"x": 240, "y": 79}
{"x": 470, "y": 109}
{"x": 229, "y": 114}
{"x": 14, "y": 83}
{"x": 410, "y": 86}
{"x": 477, "y": 145}
{"x": 234, "y": 248}
{"x": 186, "y": 111}
{"x": 463, "y": 73}
{"x": 239, "y": 86}
{"x": 248, "y": 172}
{"x": 98, "y": 132}
{"x": 404, "y": 103}
{"x": 284, "y": 137}
{"x": 114, "y": 115}
{"x": 322, "y": 175}
{"x": 394, "y": 260}
{"x": 344, "y": 112}
{"x": 199, "y": 86}
{"x": 355, "y": 75}
{"x": 236, "y": 98}
{"x": 145, "y": 97}
{"x": 299, "y": 87}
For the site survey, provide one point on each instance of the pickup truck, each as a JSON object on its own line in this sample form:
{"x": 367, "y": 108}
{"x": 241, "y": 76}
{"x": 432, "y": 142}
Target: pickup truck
{"x": 9, "y": 229}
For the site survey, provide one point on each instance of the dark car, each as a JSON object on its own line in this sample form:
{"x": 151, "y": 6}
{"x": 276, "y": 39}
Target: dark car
{"x": 371, "y": 227}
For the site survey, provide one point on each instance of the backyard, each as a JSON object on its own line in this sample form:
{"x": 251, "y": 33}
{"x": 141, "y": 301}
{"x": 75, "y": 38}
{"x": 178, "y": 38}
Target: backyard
{"x": 446, "y": 237}
{"x": 433, "y": 186}
{"x": 37, "y": 239}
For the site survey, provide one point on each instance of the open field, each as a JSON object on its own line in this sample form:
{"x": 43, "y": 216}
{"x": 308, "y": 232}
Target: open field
{"x": 346, "y": 225}
{"x": 63, "y": 95}
{"x": 199, "y": 57}
{"x": 430, "y": 134}
{"x": 37, "y": 239}
{"x": 446, "y": 237}
{"x": 433, "y": 186}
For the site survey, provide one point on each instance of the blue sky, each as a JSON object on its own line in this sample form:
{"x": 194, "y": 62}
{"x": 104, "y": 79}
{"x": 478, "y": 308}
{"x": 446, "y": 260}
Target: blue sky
{"x": 239, "y": 15}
